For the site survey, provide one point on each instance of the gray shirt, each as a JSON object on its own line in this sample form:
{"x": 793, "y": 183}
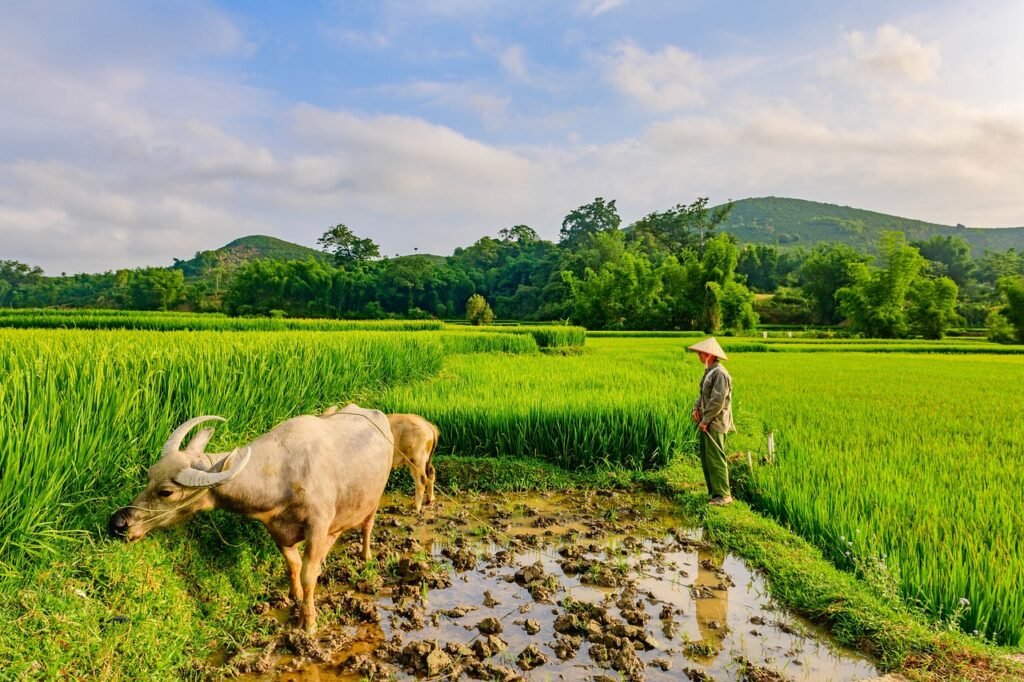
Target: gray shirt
{"x": 714, "y": 404}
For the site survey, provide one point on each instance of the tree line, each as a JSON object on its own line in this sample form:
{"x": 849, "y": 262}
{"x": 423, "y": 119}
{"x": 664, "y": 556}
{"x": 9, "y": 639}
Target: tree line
{"x": 672, "y": 269}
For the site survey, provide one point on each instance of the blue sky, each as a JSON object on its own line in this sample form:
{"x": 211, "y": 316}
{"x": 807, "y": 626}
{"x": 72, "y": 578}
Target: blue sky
{"x": 134, "y": 132}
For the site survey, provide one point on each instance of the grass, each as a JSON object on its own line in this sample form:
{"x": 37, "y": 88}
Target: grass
{"x": 583, "y": 412}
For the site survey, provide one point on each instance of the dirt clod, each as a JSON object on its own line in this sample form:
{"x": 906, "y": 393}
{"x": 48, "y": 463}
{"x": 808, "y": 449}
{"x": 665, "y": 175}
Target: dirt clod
{"x": 530, "y": 658}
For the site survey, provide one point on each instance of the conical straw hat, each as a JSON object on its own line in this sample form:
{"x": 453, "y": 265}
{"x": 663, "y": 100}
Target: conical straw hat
{"x": 709, "y": 346}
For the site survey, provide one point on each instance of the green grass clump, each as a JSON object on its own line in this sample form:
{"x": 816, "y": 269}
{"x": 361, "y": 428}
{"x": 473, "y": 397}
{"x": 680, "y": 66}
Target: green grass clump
{"x": 469, "y": 342}
{"x": 546, "y": 336}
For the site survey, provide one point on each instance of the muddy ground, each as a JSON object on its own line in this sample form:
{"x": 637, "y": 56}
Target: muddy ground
{"x": 596, "y": 585}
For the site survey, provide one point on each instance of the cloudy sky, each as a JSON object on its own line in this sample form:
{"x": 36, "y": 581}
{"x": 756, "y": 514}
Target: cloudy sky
{"x": 131, "y": 132}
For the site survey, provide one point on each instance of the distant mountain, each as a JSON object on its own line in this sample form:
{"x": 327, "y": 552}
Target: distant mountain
{"x": 246, "y": 249}
{"x": 795, "y": 222}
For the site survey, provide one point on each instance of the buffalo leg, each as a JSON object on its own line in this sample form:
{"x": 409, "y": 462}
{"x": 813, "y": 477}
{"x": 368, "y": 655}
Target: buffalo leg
{"x": 317, "y": 545}
{"x": 294, "y": 561}
{"x": 367, "y": 530}
{"x": 421, "y": 486}
{"x": 431, "y": 475}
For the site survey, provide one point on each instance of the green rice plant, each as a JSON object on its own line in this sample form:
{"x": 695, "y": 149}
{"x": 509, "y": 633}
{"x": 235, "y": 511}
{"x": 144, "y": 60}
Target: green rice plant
{"x": 81, "y": 413}
{"x": 582, "y": 412}
{"x": 86, "y": 318}
{"x": 655, "y": 334}
{"x": 546, "y": 336}
{"x": 469, "y": 342}
{"x": 912, "y": 462}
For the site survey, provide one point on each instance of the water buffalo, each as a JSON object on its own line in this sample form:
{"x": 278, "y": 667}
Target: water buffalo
{"x": 415, "y": 441}
{"x": 310, "y": 478}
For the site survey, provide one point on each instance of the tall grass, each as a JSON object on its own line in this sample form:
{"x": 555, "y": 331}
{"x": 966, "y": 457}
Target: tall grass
{"x": 81, "y": 413}
{"x": 581, "y": 412}
{"x": 546, "y": 336}
{"x": 42, "y": 318}
{"x": 918, "y": 461}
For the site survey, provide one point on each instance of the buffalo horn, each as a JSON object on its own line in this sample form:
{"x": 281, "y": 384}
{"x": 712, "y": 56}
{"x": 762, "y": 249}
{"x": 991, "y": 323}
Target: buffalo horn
{"x": 178, "y": 435}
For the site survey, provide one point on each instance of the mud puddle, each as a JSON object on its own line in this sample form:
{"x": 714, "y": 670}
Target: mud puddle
{"x": 569, "y": 586}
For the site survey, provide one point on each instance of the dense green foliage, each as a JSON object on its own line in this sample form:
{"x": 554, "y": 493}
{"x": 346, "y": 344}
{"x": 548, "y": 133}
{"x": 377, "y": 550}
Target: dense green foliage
{"x": 891, "y": 301}
{"x": 1012, "y": 289}
{"x": 478, "y": 310}
{"x": 672, "y": 269}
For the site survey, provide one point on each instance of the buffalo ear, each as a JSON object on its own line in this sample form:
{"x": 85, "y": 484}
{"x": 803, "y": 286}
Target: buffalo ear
{"x": 227, "y": 469}
{"x": 198, "y": 444}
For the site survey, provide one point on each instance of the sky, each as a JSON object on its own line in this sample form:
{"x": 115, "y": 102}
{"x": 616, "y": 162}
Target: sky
{"x": 135, "y": 132}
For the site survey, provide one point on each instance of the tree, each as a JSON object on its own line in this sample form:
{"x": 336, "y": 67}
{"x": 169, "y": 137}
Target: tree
{"x": 621, "y": 294}
{"x": 523, "y": 235}
{"x": 15, "y": 276}
{"x": 587, "y": 220}
{"x": 737, "y": 304}
{"x": 874, "y": 303}
{"x": 346, "y": 246}
{"x": 680, "y": 227}
{"x": 1012, "y": 290}
{"x": 759, "y": 263}
{"x": 711, "y": 314}
{"x": 827, "y": 269}
{"x": 478, "y": 311}
{"x": 155, "y": 288}
{"x": 953, "y": 253}
{"x": 931, "y": 306}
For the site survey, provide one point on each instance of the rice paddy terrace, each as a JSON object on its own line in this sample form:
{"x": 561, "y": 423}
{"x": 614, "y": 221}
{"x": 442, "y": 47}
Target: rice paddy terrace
{"x": 888, "y": 515}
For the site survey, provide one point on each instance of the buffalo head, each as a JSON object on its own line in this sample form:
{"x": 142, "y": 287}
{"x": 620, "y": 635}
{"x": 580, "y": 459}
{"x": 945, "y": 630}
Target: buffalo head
{"x": 178, "y": 484}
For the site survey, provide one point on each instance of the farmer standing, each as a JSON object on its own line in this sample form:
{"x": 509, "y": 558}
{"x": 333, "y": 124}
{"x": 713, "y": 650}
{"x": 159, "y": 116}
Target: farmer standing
{"x": 713, "y": 413}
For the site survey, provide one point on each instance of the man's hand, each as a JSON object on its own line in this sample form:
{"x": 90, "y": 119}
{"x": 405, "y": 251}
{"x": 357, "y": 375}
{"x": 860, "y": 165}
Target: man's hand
{"x": 703, "y": 427}
{"x": 696, "y": 415}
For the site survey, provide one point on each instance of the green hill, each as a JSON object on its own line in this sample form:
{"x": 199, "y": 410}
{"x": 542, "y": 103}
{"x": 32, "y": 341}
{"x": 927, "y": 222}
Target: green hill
{"x": 795, "y": 222}
{"x": 243, "y": 250}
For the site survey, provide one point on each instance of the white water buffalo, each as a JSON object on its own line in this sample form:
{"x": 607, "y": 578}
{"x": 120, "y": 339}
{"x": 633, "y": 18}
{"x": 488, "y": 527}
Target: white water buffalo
{"x": 415, "y": 440}
{"x": 310, "y": 478}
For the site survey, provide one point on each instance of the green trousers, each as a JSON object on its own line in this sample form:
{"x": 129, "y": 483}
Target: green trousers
{"x": 712, "y": 460}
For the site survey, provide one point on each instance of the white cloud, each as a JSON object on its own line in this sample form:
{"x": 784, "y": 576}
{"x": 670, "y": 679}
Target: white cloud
{"x": 893, "y": 53}
{"x": 513, "y": 59}
{"x": 598, "y": 7}
{"x": 123, "y": 162}
{"x": 662, "y": 81}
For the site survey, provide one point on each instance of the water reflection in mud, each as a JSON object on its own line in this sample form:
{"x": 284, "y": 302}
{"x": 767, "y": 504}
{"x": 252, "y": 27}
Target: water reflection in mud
{"x": 558, "y": 586}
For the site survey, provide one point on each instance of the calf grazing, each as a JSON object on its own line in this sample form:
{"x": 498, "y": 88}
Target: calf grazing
{"x": 415, "y": 441}
{"x": 310, "y": 478}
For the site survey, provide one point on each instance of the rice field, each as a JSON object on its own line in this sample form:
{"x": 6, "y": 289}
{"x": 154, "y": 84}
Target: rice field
{"x": 913, "y": 461}
{"x": 917, "y": 457}
{"x": 545, "y": 336}
{"x": 902, "y": 462}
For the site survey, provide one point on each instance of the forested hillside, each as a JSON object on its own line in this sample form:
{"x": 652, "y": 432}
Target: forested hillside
{"x": 795, "y": 222}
